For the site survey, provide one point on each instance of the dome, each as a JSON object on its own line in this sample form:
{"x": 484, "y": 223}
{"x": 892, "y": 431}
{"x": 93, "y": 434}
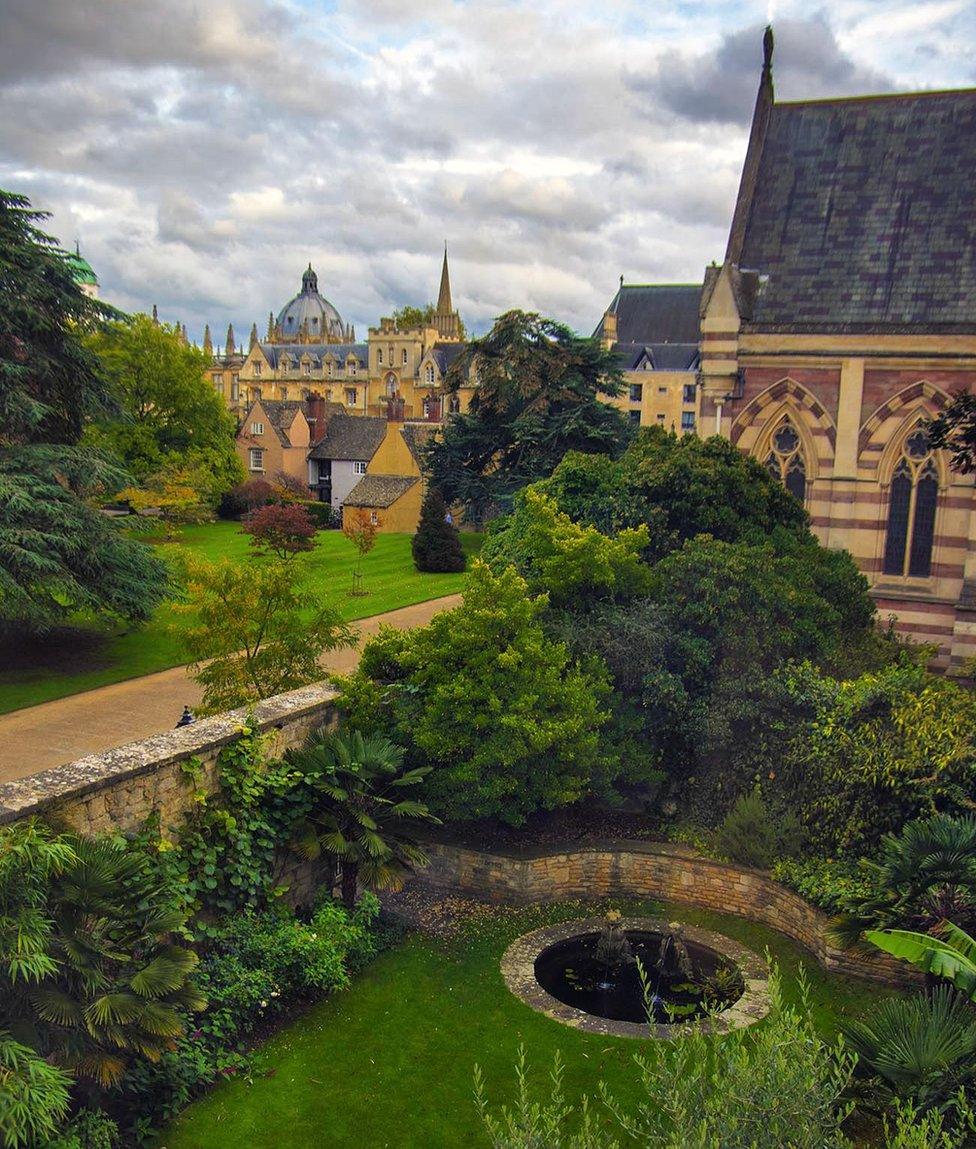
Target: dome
{"x": 324, "y": 322}
{"x": 81, "y": 269}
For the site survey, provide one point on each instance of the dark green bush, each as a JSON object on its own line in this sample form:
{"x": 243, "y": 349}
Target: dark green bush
{"x": 324, "y": 515}
{"x": 833, "y": 885}
{"x": 437, "y": 545}
{"x": 753, "y": 835}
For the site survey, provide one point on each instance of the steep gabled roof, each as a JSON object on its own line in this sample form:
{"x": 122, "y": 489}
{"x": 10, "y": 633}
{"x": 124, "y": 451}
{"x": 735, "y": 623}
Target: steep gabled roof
{"x": 379, "y": 490}
{"x": 350, "y": 438}
{"x": 280, "y": 413}
{"x": 662, "y": 356}
{"x": 416, "y": 436}
{"x": 862, "y": 215}
{"x": 655, "y": 313}
{"x": 317, "y": 351}
{"x": 444, "y": 354}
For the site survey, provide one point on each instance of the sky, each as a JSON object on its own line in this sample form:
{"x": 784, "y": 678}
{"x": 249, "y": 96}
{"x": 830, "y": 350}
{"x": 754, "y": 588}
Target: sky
{"x": 204, "y": 151}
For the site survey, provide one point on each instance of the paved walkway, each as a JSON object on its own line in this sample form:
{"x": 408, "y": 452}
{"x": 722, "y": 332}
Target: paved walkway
{"x": 39, "y": 737}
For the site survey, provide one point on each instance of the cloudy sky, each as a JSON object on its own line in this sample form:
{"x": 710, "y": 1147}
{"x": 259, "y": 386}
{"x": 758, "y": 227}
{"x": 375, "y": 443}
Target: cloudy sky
{"x": 203, "y": 151}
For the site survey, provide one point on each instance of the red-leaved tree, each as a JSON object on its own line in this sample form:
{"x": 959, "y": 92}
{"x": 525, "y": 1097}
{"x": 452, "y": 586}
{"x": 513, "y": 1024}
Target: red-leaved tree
{"x": 280, "y": 529}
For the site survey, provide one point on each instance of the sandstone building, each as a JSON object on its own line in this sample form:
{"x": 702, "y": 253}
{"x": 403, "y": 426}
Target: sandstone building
{"x": 842, "y": 317}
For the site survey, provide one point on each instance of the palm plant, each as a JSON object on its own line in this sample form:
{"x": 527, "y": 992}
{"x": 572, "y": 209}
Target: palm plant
{"x": 951, "y": 956}
{"x": 923, "y": 1047}
{"x": 926, "y": 875}
{"x": 91, "y": 974}
{"x": 360, "y": 817}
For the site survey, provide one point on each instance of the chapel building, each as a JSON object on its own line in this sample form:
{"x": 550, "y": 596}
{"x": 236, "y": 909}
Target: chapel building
{"x": 841, "y": 319}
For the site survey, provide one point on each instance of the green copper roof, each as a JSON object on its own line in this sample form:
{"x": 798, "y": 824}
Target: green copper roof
{"x": 80, "y": 267}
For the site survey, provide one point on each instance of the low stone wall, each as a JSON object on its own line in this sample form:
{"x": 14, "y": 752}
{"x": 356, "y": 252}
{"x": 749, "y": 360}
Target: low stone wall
{"x": 119, "y": 789}
{"x": 656, "y": 870}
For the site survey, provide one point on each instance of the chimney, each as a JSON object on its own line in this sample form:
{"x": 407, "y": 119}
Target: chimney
{"x": 315, "y": 411}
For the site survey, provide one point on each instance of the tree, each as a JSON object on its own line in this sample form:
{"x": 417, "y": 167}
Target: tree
{"x": 90, "y": 975}
{"x": 360, "y": 529}
{"x": 57, "y": 553}
{"x": 361, "y": 814}
{"x": 280, "y": 529}
{"x": 537, "y": 398}
{"x": 170, "y": 413}
{"x": 437, "y": 544}
{"x": 250, "y": 634}
{"x": 955, "y": 430}
{"x": 176, "y": 492}
{"x": 507, "y": 721}
{"x": 407, "y": 316}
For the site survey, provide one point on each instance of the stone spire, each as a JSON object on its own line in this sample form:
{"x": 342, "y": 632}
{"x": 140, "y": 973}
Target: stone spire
{"x": 444, "y": 305}
{"x": 207, "y": 341}
{"x": 757, "y": 138}
{"x": 155, "y": 315}
{"x": 184, "y": 336}
{"x": 271, "y": 326}
{"x": 254, "y": 337}
{"x": 229, "y": 344}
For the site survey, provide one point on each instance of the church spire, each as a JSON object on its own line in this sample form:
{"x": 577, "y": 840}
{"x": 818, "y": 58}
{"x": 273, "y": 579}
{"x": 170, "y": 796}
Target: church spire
{"x": 444, "y": 305}
{"x": 207, "y": 341}
{"x": 229, "y": 341}
{"x": 254, "y": 337}
{"x": 757, "y": 139}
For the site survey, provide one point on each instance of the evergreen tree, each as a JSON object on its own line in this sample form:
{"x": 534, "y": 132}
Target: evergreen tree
{"x": 57, "y": 553}
{"x": 437, "y": 543}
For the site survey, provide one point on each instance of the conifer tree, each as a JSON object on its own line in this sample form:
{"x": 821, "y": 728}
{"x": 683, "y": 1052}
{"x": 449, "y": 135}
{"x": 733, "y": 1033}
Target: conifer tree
{"x": 437, "y": 543}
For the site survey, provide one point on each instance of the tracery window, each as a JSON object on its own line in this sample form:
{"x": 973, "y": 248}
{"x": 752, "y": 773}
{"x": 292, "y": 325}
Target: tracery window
{"x": 429, "y": 373}
{"x": 911, "y": 510}
{"x": 785, "y": 460}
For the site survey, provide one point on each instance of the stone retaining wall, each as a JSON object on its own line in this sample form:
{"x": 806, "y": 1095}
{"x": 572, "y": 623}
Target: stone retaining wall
{"x": 656, "y": 870}
{"x": 119, "y": 789}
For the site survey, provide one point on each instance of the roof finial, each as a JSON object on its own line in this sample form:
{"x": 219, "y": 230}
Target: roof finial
{"x": 768, "y": 52}
{"x": 155, "y": 315}
{"x": 621, "y": 281}
{"x": 77, "y": 248}
{"x": 207, "y": 341}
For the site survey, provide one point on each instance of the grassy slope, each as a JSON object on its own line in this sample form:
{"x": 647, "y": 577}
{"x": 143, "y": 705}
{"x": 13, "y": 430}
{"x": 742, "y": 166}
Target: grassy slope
{"x": 389, "y": 1063}
{"x": 90, "y": 654}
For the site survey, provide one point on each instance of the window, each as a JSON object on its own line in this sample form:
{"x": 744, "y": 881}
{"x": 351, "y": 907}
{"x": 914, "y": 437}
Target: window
{"x": 255, "y": 459}
{"x": 216, "y": 377}
{"x": 328, "y": 369}
{"x": 256, "y": 369}
{"x": 350, "y": 396}
{"x": 374, "y": 518}
{"x": 454, "y": 405}
{"x": 688, "y": 393}
{"x": 646, "y": 365}
{"x": 429, "y": 373}
{"x": 636, "y": 392}
{"x": 307, "y": 368}
{"x": 785, "y": 460}
{"x": 662, "y": 390}
{"x": 257, "y": 428}
{"x": 404, "y": 358}
{"x": 426, "y": 408}
{"x": 687, "y": 420}
{"x": 235, "y": 390}
{"x": 379, "y": 355}
{"x": 359, "y": 468}
{"x": 634, "y": 417}
{"x": 351, "y": 367}
{"x": 661, "y": 418}
{"x": 911, "y": 511}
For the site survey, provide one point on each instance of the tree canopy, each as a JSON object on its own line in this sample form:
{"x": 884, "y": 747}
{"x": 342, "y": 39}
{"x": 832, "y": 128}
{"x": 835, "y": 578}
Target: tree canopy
{"x": 538, "y": 397}
{"x": 57, "y": 553}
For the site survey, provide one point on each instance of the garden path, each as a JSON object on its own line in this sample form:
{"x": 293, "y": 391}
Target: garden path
{"x": 40, "y": 737}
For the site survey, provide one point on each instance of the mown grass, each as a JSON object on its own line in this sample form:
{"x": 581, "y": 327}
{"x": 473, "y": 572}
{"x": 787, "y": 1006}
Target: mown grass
{"x": 390, "y": 1062}
{"x": 89, "y": 653}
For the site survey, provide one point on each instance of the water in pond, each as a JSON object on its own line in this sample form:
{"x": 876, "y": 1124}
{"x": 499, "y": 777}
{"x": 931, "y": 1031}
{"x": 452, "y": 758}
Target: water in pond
{"x": 685, "y": 980}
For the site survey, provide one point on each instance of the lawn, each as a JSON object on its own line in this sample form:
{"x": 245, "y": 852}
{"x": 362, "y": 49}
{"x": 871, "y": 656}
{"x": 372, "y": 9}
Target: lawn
{"x": 390, "y": 1062}
{"x": 89, "y": 653}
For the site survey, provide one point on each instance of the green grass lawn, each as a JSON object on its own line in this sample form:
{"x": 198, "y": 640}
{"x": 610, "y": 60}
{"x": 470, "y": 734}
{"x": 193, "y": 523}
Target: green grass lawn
{"x": 90, "y": 653}
{"x": 390, "y": 1061}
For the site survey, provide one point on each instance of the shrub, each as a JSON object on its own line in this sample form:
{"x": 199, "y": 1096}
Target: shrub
{"x": 833, "y": 885}
{"x": 89, "y": 1129}
{"x": 245, "y": 497}
{"x": 280, "y": 529}
{"x": 324, "y": 515}
{"x": 436, "y": 546}
{"x": 752, "y": 835}
{"x": 33, "y": 1095}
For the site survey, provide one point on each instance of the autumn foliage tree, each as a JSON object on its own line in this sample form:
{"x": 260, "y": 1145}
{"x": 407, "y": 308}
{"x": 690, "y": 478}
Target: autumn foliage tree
{"x": 280, "y": 529}
{"x": 360, "y": 529}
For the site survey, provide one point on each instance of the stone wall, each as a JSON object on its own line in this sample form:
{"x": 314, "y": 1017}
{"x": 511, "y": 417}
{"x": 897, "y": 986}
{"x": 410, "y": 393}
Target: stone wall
{"x": 119, "y": 789}
{"x": 643, "y": 869}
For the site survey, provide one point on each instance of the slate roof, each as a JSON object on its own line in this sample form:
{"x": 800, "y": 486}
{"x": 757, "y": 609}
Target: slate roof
{"x": 863, "y": 215}
{"x": 353, "y": 438}
{"x": 416, "y": 435}
{"x": 378, "y": 490}
{"x": 318, "y": 351}
{"x": 446, "y": 353}
{"x": 280, "y": 414}
{"x": 656, "y": 313}
{"x": 663, "y": 356}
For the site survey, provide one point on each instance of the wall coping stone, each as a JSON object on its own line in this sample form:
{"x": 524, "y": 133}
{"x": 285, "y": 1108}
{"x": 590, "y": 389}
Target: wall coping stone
{"x": 37, "y": 792}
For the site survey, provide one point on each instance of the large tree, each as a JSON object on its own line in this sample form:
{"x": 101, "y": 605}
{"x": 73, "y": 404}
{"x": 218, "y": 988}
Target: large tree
{"x": 57, "y": 553}
{"x": 538, "y": 396}
{"x": 170, "y": 412}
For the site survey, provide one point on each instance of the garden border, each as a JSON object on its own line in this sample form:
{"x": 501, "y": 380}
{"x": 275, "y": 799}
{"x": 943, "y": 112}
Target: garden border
{"x": 675, "y": 874}
{"x": 518, "y": 970}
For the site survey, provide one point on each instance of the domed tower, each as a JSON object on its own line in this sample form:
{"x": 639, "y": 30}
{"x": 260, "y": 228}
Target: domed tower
{"x": 309, "y": 317}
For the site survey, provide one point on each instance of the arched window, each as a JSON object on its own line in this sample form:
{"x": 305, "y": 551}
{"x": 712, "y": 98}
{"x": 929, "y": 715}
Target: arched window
{"x": 785, "y": 460}
{"x": 911, "y": 510}
{"x": 454, "y": 405}
{"x": 391, "y": 385}
{"x": 429, "y": 373}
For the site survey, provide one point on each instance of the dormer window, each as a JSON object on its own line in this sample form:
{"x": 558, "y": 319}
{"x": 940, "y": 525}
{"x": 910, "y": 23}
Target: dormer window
{"x": 429, "y": 374}
{"x": 256, "y": 368}
{"x": 307, "y": 368}
{"x": 351, "y": 366}
{"x": 328, "y": 368}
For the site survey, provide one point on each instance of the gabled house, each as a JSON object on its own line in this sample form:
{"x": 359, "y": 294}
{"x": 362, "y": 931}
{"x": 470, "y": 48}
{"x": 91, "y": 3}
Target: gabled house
{"x": 392, "y": 489}
{"x": 339, "y": 459}
{"x": 274, "y": 438}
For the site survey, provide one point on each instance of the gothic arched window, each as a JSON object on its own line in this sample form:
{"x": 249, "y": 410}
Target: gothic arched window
{"x": 785, "y": 460}
{"x": 911, "y": 510}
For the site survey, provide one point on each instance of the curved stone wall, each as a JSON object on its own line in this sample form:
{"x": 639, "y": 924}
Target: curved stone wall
{"x": 655, "y": 870}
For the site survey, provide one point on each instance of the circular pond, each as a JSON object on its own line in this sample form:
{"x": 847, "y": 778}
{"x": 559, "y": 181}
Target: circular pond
{"x": 637, "y": 977}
